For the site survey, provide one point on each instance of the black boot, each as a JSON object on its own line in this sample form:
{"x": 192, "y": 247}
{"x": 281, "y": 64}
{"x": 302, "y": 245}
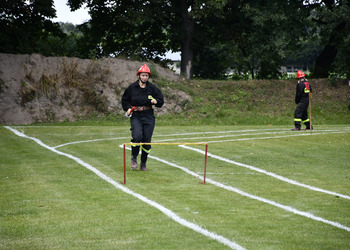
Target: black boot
{"x": 133, "y": 163}
{"x": 134, "y": 153}
{"x": 307, "y": 124}
{"x": 143, "y": 166}
{"x": 144, "y": 156}
{"x": 297, "y": 125}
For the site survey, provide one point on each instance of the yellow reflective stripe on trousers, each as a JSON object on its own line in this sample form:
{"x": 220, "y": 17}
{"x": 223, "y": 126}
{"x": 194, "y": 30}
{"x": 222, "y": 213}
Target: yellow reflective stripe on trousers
{"x": 307, "y": 120}
{"x": 297, "y": 120}
{"x": 147, "y": 151}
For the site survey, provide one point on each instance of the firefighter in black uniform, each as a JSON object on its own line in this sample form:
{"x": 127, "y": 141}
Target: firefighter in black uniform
{"x": 303, "y": 93}
{"x": 137, "y": 101}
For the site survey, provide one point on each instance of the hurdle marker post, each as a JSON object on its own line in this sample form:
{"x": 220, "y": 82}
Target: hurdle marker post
{"x": 205, "y": 164}
{"x": 124, "y": 167}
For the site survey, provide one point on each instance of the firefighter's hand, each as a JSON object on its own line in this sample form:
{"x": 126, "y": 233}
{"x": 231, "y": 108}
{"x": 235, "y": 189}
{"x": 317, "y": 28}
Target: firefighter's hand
{"x": 128, "y": 112}
{"x": 154, "y": 101}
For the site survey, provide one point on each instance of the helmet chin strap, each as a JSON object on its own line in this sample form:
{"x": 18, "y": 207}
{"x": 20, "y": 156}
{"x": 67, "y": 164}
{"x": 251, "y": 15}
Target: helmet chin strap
{"x": 142, "y": 81}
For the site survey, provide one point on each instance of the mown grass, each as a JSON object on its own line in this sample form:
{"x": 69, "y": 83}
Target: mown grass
{"x": 257, "y": 102}
{"x": 49, "y": 201}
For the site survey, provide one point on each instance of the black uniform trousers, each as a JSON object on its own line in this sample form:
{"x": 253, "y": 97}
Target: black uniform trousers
{"x": 300, "y": 114}
{"x": 142, "y": 126}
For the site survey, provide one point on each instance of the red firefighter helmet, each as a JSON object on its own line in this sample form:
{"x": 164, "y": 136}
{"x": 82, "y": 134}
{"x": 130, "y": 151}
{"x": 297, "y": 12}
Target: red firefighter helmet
{"x": 300, "y": 74}
{"x": 143, "y": 69}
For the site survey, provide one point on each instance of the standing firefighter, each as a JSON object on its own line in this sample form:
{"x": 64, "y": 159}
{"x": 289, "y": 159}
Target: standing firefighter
{"x": 303, "y": 93}
{"x": 137, "y": 101}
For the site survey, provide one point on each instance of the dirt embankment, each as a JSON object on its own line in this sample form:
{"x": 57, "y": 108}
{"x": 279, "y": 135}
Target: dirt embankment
{"x": 34, "y": 88}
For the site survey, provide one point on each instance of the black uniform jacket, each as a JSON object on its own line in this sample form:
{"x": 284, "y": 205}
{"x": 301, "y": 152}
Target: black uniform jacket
{"x": 134, "y": 95}
{"x": 302, "y": 93}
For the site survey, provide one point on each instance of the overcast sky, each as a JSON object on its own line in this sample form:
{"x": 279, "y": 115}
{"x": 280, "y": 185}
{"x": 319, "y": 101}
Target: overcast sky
{"x": 64, "y": 15}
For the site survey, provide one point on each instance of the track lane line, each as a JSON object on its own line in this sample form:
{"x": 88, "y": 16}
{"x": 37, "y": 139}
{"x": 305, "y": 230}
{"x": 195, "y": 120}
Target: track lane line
{"x": 208, "y": 132}
{"x": 254, "y": 197}
{"x": 279, "y": 177}
{"x": 154, "y": 204}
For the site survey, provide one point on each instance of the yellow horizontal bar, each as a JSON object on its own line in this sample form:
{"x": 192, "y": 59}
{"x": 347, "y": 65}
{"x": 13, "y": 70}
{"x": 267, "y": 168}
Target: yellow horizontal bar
{"x": 167, "y": 143}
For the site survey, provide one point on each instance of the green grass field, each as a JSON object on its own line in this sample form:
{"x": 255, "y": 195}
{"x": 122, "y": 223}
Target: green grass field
{"x": 266, "y": 188}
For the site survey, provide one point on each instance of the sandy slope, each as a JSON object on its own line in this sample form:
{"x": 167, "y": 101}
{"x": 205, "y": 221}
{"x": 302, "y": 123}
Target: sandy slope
{"x": 34, "y": 88}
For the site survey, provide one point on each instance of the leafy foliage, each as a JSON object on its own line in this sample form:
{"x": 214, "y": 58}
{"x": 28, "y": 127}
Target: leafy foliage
{"x": 131, "y": 29}
{"x": 250, "y": 37}
{"x": 26, "y": 28}
{"x": 331, "y": 22}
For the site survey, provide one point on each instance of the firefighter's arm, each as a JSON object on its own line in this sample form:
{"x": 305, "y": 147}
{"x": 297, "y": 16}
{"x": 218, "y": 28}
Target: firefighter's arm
{"x": 157, "y": 98}
{"x": 297, "y": 96}
{"x": 126, "y": 100}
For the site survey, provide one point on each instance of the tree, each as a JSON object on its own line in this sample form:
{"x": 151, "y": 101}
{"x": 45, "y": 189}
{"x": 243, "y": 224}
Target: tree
{"x": 259, "y": 33}
{"x": 304, "y": 56}
{"x": 71, "y": 42}
{"x": 145, "y": 29}
{"x": 25, "y": 26}
{"x": 134, "y": 29}
{"x": 331, "y": 19}
{"x": 188, "y": 26}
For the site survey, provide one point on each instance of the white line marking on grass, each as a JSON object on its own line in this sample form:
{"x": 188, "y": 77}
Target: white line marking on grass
{"x": 119, "y": 138}
{"x": 281, "y": 136}
{"x": 275, "y": 130}
{"x": 156, "y": 205}
{"x": 220, "y": 136}
{"x": 267, "y": 173}
{"x": 216, "y": 132}
{"x": 236, "y": 190}
{"x": 193, "y": 133}
{"x": 106, "y": 139}
{"x": 252, "y": 138}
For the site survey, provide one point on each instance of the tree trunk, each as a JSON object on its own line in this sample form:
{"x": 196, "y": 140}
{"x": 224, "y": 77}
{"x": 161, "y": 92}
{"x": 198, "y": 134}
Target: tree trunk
{"x": 187, "y": 24}
{"x": 251, "y": 67}
{"x": 187, "y": 59}
{"x": 324, "y": 61}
